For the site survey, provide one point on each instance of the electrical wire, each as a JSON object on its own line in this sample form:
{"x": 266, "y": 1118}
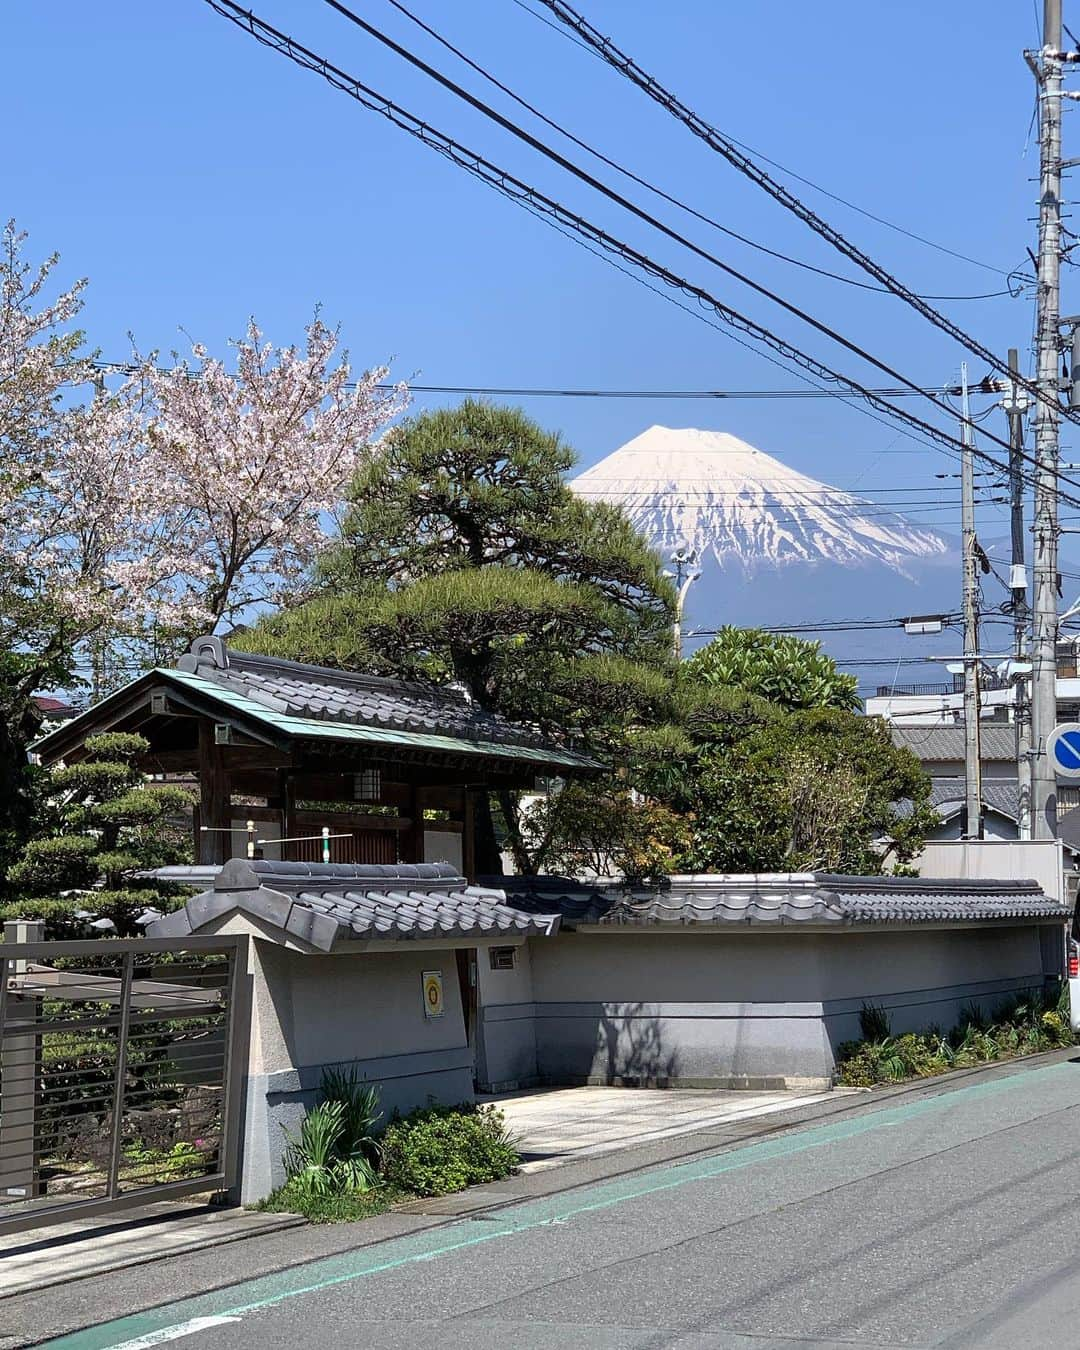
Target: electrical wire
{"x": 130, "y": 368}
{"x": 810, "y": 516}
{"x": 727, "y": 148}
{"x": 811, "y": 512}
{"x": 651, "y": 187}
{"x": 518, "y": 191}
{"x": 843, "y": 201}
{"x": 584, "y": 176}
{"x": 759, "y": 351}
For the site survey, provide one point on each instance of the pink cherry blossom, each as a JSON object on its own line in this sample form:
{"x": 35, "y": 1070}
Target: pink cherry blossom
{"x": 186, "y": 498}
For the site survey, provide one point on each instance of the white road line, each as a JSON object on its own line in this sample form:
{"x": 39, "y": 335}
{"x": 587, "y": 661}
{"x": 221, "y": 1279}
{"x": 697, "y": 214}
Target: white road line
{"x": 174, "y": 1333}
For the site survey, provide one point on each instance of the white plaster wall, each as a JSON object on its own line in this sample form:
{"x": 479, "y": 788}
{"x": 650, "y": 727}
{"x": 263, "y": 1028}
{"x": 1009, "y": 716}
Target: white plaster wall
{"x": 507, "y": 1031}
{"x": 1040, "y": 860}
{"x": 752, "y": 1008}
{"x": 444, "y": 846}
{"x": 366, "y": 1006}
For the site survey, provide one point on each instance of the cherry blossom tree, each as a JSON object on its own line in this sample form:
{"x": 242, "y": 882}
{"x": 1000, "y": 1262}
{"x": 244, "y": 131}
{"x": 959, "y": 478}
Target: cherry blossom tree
{"x": 241, "y": 470}
{"x": 181, "y": 501}
{"x": 40, "y": 365}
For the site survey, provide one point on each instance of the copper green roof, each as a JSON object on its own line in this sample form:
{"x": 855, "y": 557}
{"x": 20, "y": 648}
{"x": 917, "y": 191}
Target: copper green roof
{"x": 316, "y": 728}
{"x": 290, "y": 701}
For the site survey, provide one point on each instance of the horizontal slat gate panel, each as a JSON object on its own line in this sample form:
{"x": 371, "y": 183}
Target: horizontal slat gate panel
{"x": 118, "y": 1064}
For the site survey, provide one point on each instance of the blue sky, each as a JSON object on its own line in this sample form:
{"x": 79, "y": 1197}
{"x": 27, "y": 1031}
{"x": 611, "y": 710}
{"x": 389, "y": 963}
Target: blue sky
{"x": 196, "y": 178}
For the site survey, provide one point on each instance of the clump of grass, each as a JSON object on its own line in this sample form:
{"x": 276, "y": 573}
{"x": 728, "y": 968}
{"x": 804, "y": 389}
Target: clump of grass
{"x": 337, "y": 1207}
{"x": 1023, "y": 1025}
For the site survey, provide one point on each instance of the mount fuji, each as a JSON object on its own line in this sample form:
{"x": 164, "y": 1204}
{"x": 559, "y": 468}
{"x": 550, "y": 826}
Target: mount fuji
{"x": 774, "y": 546}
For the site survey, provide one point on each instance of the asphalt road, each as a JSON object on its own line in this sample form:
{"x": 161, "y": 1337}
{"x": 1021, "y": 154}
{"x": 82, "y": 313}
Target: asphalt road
{"x": 948, "y": 1220}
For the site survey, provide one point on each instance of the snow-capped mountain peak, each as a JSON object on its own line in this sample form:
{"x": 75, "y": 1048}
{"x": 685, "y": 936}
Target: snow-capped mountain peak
{"x": 716, "y": 494}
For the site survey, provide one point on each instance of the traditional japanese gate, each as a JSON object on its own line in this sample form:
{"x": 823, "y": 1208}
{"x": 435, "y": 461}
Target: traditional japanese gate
{"x": 119, "y": 1070}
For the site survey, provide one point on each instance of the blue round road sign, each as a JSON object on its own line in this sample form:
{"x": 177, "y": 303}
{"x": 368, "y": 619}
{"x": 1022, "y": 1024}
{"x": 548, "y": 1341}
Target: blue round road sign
{"x": 1063, "y": 748}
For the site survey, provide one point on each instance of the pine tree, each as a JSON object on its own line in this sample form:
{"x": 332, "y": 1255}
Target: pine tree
{"x": 109, "y": 825}
{"x": 465, "y": 558}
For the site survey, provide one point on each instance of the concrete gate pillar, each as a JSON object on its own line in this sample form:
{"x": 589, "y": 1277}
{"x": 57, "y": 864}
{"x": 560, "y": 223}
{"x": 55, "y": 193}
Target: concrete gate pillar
{"x": 20, "y": 1065}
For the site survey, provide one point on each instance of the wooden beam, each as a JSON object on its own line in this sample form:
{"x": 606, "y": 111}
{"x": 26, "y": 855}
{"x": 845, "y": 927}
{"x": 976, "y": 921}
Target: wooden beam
{"x": 412, "y": 838}
{"x": 213, "y": 845}
{"x": 468, "y": 838}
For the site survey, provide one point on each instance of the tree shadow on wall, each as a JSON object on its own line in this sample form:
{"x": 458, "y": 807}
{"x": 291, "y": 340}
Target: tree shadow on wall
{"x": 630, "y": 1049}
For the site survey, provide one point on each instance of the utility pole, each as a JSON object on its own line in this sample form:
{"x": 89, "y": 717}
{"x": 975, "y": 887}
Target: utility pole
{"x": 972, "y": 737}
{"x": 1016, "y": 406}
{"x": 1048, "y": 68}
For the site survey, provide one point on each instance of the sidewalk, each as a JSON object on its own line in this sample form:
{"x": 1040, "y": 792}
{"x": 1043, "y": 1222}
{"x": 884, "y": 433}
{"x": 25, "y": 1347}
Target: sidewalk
{"x": 42, "y": 1257}
{"x": 556, "y": 1126}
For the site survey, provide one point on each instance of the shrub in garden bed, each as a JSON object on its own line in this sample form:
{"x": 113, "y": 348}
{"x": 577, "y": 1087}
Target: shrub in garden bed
{"x": 1019, "y": 1026}
{"x": 338, "y": 1170}
{"x": 440, "y": 1149}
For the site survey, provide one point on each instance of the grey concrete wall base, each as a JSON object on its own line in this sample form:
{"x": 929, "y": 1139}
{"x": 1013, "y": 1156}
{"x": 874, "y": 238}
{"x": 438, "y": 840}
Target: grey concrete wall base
{"x": 278, "y": 1102}
{"x": 672, "y": 1043}
{"x": 731, "y": 1083}
{"x": 508, "y": 1038}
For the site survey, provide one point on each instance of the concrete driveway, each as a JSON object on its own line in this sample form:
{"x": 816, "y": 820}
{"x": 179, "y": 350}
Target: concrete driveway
{"x": 558, "y": 1125}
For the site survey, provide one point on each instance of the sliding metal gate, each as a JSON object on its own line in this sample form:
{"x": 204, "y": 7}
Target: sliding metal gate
{"x": 119, "y": 1070}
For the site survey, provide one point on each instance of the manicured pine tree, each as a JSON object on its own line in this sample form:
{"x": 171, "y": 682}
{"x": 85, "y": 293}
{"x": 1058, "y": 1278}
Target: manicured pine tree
{"x": 109, "y": 825}
{"x": 465, "y": 558}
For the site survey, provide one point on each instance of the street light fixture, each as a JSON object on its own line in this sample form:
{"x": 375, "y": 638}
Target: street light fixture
{"x": 684, "y": 561}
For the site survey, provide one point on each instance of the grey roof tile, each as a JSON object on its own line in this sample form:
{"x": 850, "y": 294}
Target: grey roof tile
{"x": 945, "y": 741}
{"x": 318, "y": 901}
{"x": 947, "y": 798}
{"x": 314, "y": 691}
{"x": 780, "y": 899}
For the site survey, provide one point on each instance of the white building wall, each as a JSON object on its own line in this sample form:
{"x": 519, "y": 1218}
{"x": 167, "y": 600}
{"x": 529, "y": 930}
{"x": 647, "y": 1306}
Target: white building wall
{"x": 754, "y": 1009}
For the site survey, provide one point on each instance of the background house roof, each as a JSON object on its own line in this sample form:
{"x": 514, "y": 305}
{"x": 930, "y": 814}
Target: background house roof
{"x": 947, "y": 795}
{"x": 775, "y": 899}
{"x": 324, "y": 903}
{"x": 947, "y": 798}
{"x": 946, "y": 742}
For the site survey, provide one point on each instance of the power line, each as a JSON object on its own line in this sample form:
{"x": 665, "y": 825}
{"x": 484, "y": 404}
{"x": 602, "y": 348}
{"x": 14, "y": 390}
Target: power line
{"x": 584, "y": 176}
{"x": 853, "y": 206}
{"x": 526, "y": 391}
{"x": 651, "y": 187}
{"x": 796, "y": 494}
{"x": 727, "y": 148}
{"x": 892, "y": 512}
{"x": 518, "y": 191}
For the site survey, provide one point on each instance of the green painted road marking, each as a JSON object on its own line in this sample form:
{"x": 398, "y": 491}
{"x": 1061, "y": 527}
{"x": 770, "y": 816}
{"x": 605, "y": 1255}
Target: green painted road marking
{"x": 176, "y": 1320}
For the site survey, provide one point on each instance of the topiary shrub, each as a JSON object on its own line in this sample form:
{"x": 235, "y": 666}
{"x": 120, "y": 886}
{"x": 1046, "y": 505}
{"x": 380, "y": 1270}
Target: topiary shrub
{"x": 110, "y": 827}
{"x": 439, "y": 1149}
{"x": 67, "y": 862}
